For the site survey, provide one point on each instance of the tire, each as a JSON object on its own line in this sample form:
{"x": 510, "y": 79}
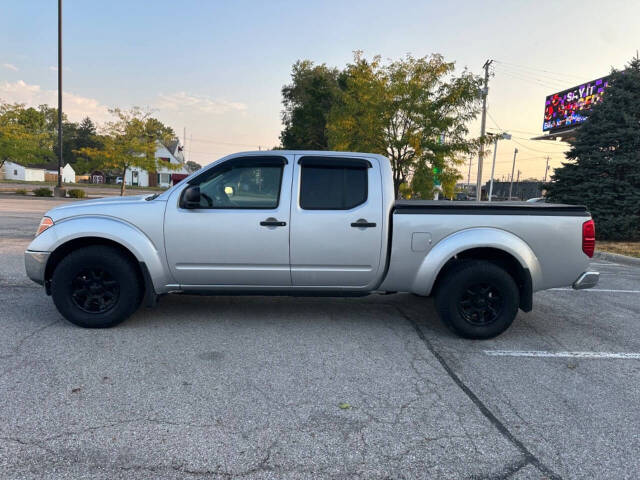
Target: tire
{"x": 477, "y": 299}
{"x": 96, "y": 287}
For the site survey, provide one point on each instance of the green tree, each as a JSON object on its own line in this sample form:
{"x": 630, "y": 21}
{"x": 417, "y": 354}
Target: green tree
{"x": 307, "y": 102}
{"x": 415, "y": 111}
{"x": 24, "y": 138}
{"x": 192, "y": 166}
{"x": 129, "y": 141}
{"x": 423, "y": 180}
{"x": 603, "y": 173}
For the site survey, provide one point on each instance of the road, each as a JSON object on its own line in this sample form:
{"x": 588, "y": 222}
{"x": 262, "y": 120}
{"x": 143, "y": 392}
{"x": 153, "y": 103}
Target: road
{"x": 289, "y": 388}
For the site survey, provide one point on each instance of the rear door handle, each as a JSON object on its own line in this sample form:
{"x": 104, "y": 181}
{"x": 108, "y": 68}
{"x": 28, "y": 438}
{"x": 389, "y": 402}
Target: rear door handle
{"x": 362, "y": 223}
{"x": 272, "y": 222}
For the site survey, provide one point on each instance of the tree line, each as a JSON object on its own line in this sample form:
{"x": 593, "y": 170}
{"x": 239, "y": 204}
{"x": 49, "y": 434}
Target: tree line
{"x": 29, "y": 136}
{"x": 414, "y": 111}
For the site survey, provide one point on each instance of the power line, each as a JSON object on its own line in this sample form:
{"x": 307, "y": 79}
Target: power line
{"x": 538, "y": 69}
{"x": 541, "y": 78}
{"x": 516, "y": 141}
{"x": 534, "y": 80}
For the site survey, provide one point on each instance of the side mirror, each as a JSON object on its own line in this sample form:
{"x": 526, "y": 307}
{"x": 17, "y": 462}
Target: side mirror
{"x": 191, "y": 197}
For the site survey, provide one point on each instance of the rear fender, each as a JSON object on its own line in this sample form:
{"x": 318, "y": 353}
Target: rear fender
{"x": 110, "y": 228}
{"x": 460, "y": 241}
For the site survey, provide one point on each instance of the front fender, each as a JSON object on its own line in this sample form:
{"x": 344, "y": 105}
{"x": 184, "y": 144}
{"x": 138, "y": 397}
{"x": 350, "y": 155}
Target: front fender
{"x": 468, "y": 239}
{"x": 110, "y": 228}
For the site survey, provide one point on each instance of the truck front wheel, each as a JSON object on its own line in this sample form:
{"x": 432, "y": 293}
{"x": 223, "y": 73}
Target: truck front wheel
{"x": 477, "y": 299}
{"x": 96, "y": 287}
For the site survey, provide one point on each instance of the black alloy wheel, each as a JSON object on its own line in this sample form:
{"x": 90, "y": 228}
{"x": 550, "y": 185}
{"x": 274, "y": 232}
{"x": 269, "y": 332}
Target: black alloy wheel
{"x": 481, "y": 304}
{"x": 94, "y": 290}
{"x": 97, "y": 286}
{"x": 477, "y": 299}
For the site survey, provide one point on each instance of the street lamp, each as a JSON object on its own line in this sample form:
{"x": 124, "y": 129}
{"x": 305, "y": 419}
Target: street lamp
{"x": 502, "y": 136}
{"x": 58, "y": 190}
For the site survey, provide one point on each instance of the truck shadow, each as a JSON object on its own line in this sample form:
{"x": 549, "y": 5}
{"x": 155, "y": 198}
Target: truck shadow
{"x": 251, "y": 311}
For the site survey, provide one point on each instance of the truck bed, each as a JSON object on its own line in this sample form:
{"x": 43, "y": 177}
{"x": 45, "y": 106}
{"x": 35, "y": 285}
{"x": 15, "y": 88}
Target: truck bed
{"x": 444, "y": 207}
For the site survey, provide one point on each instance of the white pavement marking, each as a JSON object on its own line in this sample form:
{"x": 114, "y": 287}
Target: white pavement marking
{"x": 542, "y": 353}
{"x": 593, "y": 290}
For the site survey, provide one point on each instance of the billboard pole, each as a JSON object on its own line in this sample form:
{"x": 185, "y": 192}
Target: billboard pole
{"x": 483, "y": 126}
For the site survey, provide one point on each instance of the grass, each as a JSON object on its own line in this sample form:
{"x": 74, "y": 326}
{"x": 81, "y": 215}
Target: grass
{"x": 631, "y": 249}
{"x": 84, "y": 185}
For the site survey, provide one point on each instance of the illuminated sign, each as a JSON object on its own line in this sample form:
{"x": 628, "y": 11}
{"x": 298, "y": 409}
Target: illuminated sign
{"x": 571, "y": 107}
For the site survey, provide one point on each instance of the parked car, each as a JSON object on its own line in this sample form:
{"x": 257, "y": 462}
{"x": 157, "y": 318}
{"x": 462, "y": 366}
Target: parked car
{"x": 307, "y": 223}
{"x": 118, "y": 180}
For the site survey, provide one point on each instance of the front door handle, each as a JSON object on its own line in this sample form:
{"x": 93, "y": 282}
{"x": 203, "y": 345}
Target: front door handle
{"x": 272, "y": 222}
{"x": 362, "y": 223}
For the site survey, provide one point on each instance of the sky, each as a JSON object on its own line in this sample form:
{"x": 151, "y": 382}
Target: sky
{"x": 216, "y": 68}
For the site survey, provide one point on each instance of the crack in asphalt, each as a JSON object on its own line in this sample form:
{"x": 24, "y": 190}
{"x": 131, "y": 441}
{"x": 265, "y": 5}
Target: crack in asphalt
{"x": 529, "y": 457}
{"x": 18, "y": 345}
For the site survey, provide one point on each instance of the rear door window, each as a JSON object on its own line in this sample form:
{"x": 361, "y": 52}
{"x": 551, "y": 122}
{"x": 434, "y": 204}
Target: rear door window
{"x": 333, "y": 186}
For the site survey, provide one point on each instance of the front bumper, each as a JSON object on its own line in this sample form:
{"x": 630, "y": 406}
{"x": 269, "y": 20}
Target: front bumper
{"x": 35, "y": 264}
{"x": 586, "y": 280}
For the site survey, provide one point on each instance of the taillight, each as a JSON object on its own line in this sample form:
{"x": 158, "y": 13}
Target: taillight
{"x": 45, "y": 223}
{"x": 589, "y": 237}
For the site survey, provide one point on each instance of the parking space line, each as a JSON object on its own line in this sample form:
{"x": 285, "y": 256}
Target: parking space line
{"x": 594, "y": 290}
{"x": 547, "y": 354}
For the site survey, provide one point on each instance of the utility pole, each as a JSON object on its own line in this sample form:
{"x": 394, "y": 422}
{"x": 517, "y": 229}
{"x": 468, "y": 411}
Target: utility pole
{"x": 515, "y": 152}
{"x": 518, "y": 183}
{"x": 504, "y": 136}
{"x": 483, "y": 126}
{"x": 493, "y": 166}
{"x": 58, "y": 190}
{"x": 469, "y": 175}
{"x": 546, "y": 169}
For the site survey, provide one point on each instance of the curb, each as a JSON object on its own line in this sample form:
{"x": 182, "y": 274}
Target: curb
{"x": 617, "y": 258}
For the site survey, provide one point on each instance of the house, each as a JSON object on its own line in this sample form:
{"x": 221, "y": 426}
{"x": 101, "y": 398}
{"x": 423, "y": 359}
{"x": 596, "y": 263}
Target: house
{"x": 14, "y": 171}
{"x": 68, "y": 173}
{"x": 162, "y": 177}
{"x": 46, "y": 172}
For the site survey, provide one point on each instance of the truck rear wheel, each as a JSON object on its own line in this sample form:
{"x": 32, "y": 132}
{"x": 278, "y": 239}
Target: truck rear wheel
{"x": 477, "y": 299}
{"x": 96, "y": 287}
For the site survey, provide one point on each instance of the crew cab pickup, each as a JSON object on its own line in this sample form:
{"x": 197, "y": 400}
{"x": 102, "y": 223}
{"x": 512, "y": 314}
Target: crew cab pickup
{"x": 307, "y": 223}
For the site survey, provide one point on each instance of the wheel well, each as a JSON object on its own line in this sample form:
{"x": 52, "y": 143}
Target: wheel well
{"x": 502, "y": 259}
{"x": 63, "y": 250}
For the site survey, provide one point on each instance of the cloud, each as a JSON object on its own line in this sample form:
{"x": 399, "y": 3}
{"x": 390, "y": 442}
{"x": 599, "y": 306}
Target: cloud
{"x": 183, "y": 101}
{"x": 10, "y": 66}
{"x": 76, "y": 107}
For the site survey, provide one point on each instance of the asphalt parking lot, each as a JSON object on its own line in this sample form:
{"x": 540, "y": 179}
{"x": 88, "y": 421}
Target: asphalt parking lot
{"x": 289, "y": 388}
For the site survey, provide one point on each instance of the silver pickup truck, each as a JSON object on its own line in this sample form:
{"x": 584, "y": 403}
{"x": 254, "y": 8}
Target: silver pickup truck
{"x": 307, "y": 223}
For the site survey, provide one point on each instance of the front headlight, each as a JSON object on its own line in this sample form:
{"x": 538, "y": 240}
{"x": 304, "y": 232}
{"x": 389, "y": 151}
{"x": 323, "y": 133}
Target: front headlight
{"x": 45, "y": 223}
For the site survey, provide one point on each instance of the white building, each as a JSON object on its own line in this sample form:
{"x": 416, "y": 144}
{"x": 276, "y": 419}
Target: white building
{"x": 13, "y": 171}
{"x": 162, "y": 177}
{"x": 36, "y": 173}
{"x": 68, "y": 173}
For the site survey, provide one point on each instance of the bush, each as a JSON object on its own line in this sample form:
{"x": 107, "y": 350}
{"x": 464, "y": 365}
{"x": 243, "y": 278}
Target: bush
{"x": 77, "y": 193}
{"x": 43, "y": 192}
{"x": 21, "y": 191}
